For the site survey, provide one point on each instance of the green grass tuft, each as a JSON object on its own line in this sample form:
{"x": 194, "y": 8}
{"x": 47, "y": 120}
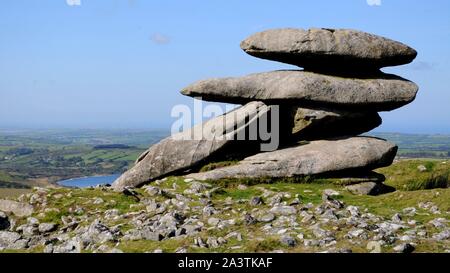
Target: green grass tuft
{"x": 216, "y": 165}
{"x": 404, "y": 175}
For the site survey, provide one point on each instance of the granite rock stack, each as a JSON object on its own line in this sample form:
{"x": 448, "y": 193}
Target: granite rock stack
{"x": 322, "y": 110}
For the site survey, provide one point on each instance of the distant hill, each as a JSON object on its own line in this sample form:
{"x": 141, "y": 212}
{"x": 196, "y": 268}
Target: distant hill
{"x": 112, "y": 146}
{"x": 419, "y": 145}
{"x": 13, "y": 185}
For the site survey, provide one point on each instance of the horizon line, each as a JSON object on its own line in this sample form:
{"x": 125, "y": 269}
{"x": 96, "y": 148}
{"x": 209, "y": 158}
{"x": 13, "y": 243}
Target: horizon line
{"x": 159, "y": 129}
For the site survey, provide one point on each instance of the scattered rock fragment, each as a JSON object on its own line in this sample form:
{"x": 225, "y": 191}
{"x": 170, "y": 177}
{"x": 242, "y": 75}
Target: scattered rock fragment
{"x": 17, "y": 208}
{"x": 288, "y": 241}
{"x": 404, "y": 248}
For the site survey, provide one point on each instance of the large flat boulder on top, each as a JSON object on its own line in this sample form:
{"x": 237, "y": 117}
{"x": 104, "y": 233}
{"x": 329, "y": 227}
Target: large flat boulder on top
{"x": 380, "y": 92}
{"x": 192, "y": 147}
{"x": 321, "y": 157}
{"x": 328, "y": 49}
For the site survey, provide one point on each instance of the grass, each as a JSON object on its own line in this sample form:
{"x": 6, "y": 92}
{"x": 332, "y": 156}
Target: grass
{"x": 38, "y": 249}
{"x": 388, "y": 204}
{"x": 405, "y": 175}
{"x": 169, "y": 245}
{"x": 233, "y": 182}
{"x": 216, "y": 165}
{"x": 10, "y": 193}
{"x": 237, "y": 194}
{"x": 66, "y": 200}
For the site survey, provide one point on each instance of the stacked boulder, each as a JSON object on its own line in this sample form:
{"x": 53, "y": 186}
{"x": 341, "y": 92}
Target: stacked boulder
{"x": 322, "y": 110}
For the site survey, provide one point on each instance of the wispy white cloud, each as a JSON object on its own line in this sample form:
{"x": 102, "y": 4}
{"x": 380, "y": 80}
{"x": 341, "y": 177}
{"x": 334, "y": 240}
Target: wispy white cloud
{"x": 423, "y": 65}
{"x": 160, "y": 39}
{"x": 73, "y": 2}
{"x": 374, "y": 2}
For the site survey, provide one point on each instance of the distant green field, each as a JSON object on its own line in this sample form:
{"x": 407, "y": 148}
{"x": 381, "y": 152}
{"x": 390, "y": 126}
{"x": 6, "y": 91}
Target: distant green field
{"x": 5, "y": 176}
{"x": 28, "y": 155}
{"x": 419, "y": 145}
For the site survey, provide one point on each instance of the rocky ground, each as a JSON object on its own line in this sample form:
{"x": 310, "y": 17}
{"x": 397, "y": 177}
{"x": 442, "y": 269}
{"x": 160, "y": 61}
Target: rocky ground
{"x": 183, "y": 215}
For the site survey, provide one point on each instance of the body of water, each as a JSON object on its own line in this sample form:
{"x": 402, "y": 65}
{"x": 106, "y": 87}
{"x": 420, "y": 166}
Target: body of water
{"x": 90, "y": 181}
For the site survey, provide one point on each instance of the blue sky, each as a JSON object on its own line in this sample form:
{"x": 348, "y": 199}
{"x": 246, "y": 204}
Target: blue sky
{"x": 121, "y": 63}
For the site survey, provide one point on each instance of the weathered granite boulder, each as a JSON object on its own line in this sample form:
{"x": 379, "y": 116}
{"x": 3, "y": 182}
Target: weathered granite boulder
{"x": 380, "y": 92}
{"x": 357, "y": 178}
{"x": 192, "y": 147}
{"x": 303, "y": 123}
{"x": 328, "y": 49}
{"x": 17, "y": 208}
{"x": 369, "y": 188}
{"x": 11, "y": 240}
{"x": 315, "y": 158}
